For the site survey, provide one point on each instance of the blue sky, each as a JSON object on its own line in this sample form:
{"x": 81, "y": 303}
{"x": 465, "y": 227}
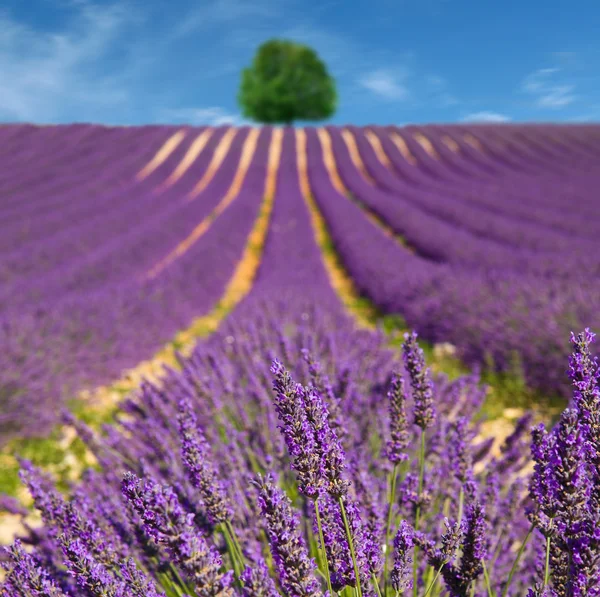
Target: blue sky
{"x": 395, "y": 61}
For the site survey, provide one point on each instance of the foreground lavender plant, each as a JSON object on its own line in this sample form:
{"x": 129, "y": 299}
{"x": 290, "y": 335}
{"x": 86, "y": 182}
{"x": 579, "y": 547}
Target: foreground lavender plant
{"x": 193, "y": 520}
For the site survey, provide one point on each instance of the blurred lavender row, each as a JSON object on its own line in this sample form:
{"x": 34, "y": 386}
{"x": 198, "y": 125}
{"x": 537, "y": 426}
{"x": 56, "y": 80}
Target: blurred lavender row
{"x": 501, "y": 225}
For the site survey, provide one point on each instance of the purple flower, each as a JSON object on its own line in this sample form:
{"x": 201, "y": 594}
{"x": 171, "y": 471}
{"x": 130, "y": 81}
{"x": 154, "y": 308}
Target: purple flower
{"x": 474, "y": 545}
{"x": 298, "y": 432}
{"x": 257, "y": 582}
{"x": 168, "y": 524}
{"x": 460, "y": 455}
{"x": 196, "y": 457}
{"x": 138, "y": 583}
{"x": 420, "y": 381}
{"x": 295, "y": 568}
{"x": 328, "y": 446}
{"x": 399, "y": 436}
{"x": 26, "y": 576}
{"x": 401, "y": 575}
{"x": 336, "y": 544}
{"x": 88, "y": 572}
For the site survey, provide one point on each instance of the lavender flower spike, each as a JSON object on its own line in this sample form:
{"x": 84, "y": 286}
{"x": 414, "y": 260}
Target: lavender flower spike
{"x": 295, "y": 568}
{"x": 298, "y": 433}
{"x": 403, "y": 544}
{"x": 26, "y": 576}
{"x": 256, "y": 581}
{"x": 138, "y": 583}
{"x": 89, "y": 573}
{"x": 167, "y": 523}
{"x": 474, "y": 544}
{"x": 399, "y": 436}
{"x": 196, "y": 457}
{"x": 420, "y": 381}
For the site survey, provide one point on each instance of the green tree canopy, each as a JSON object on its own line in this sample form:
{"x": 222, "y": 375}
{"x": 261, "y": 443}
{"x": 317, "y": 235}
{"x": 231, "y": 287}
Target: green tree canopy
{"x": 287, "y": 81}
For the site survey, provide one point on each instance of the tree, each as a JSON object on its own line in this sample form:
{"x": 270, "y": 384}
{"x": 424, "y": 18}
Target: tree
{"x": 287, "y": 81}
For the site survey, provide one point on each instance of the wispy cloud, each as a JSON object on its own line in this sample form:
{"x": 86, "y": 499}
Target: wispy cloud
{"x": 385, "y": 84}
{"x": 215, "y": 12}
{"x": 45, "y": 73}
{"x": 486, "y": 116}
{"x": 549, "y": 89}
{"x": 213, "y": 116}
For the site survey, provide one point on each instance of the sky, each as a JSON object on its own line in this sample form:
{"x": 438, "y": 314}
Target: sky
{"x": 130, "y": 62}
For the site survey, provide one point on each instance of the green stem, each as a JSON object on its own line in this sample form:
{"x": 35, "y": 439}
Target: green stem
{"x": 486, "y": 576}
{"x": 322, "y": 549}
{"x": 517, "y": 559}
{"x": 461, "y": 502}
{"x": 376, "y": 585}
{"x": 418, "y": 512}
{"x": 432, "y": 583}
{"x": 389, "y": 526}
{"x": 351, "y": 546}
{"x": 237, "y": 566}
{"x": 235, "y": 542}
{"x": 547, "y": 566}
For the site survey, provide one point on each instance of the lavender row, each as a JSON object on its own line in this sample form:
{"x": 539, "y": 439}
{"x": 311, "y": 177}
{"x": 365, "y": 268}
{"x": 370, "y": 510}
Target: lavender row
{"x": 105, "y": 155}
{"x": 463, "y": 214}
{"x": 90, "y": 338}
{"x": 133, "y": 252}
{"x": 49, "y": 157}
{"x": 482, "y": 313}
{"x": 438, "y": 240}
{"x": 89, "y": 220}
{"x": 515, "y": 200}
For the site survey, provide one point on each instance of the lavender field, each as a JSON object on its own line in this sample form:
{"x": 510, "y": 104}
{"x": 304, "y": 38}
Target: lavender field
{"x": 293, "y": 452}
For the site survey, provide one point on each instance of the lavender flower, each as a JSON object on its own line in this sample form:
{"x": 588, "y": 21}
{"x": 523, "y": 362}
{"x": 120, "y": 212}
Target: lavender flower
{"x": 196, "y": 457}
{"x": 295, "y": 568}
{"x": 399, "y": 436}
{"x": 26, "y": 576}
{"x": 328, "y": 446}
{"x": 474, "y": 546}
{"x": 336, "y": 544}
{"x": 257, "y": 582}
{"x": 460, "y": 455}
{"x": 420, "y": 381}
{"x": 540, "y": 591}
{"x": 138, "y": 583}
{"x": 298, "y": 432}
{"x": 89, "y": 573}
{"x": 401, "y": 575}
{"x": 167, "y": 523}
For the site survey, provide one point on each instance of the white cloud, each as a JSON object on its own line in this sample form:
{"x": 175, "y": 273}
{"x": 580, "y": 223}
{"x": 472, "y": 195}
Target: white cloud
{"x": 43, "y": 74}
{"x": 385, "y": 84}
{"x": 486, "y": 116}
{"x": 213, "y": 116}
{"x": 213, "y": 12}
{"x": 549, "y": 90}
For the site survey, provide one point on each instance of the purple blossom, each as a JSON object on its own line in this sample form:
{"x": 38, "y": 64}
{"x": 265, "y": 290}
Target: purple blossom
{"x": 399, "y": 435}
{"x": 295, "y": 568}
{"x": 298, "y": 432}
{"x": 420, "y": 381}
{"x": 26, "y": 576}
{"x": 196, "y": 457}
{"x": 257, "y": 582}
{"x": 168, "y": 524}
{"x": 401, "y": 575}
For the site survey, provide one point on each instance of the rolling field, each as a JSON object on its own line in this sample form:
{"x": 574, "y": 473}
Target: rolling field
{"x": 223, "y": 312}
{"x": 113, "y": 240}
